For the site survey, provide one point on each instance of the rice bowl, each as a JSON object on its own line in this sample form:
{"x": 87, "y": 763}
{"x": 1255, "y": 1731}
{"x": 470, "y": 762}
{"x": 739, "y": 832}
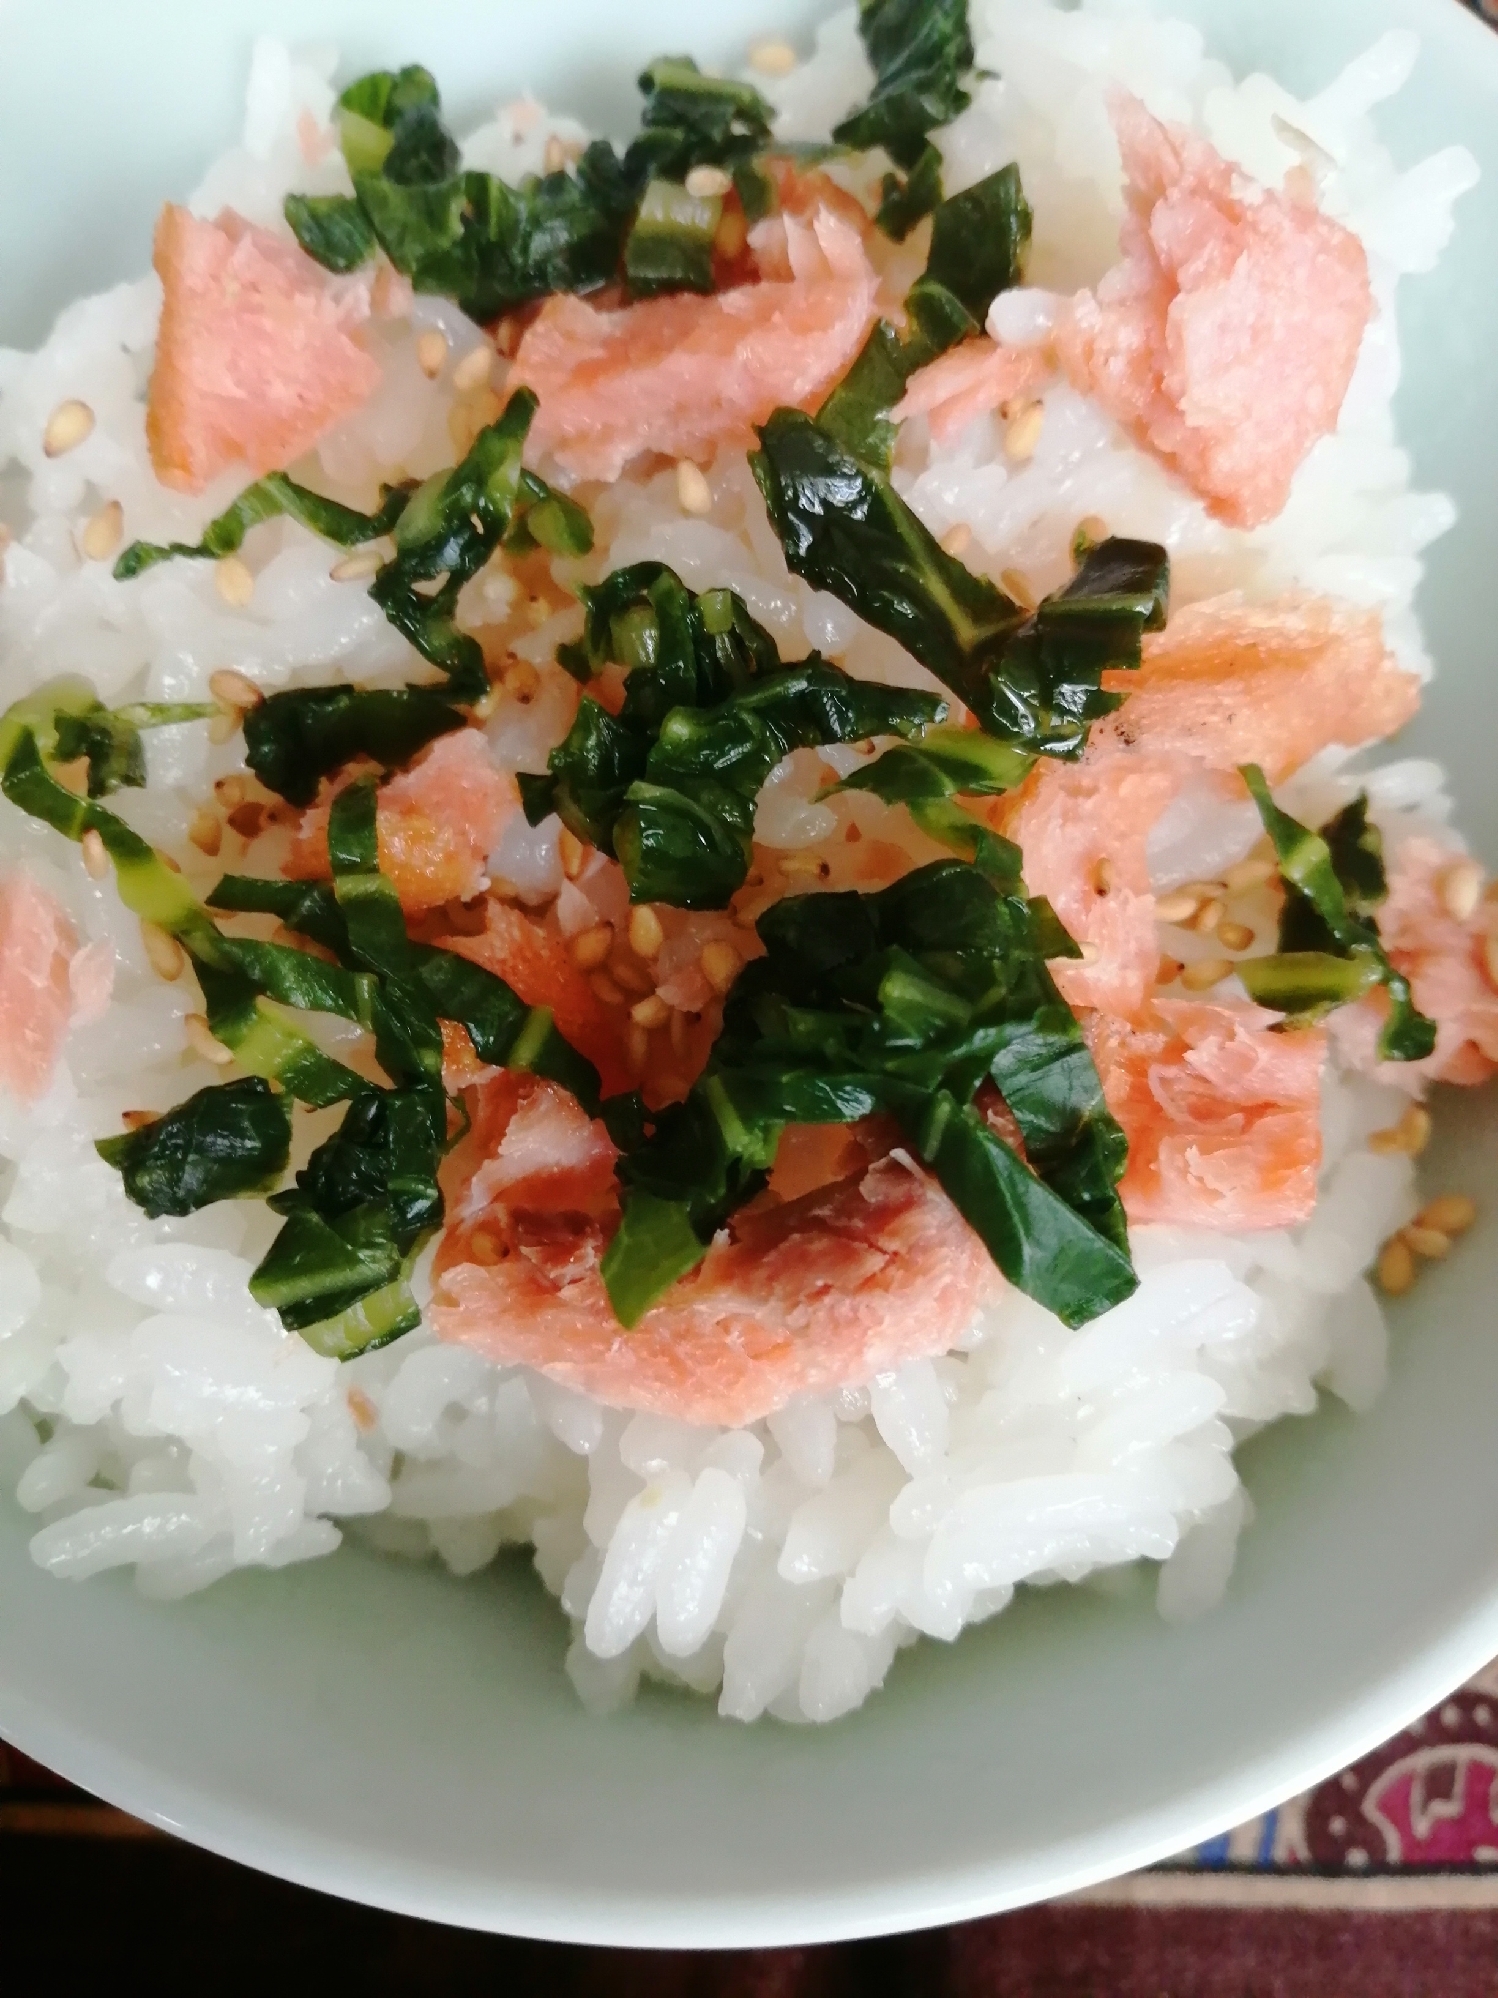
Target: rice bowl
{"x": 833, "y": 1661}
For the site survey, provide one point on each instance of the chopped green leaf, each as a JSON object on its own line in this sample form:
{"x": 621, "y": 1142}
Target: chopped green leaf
{"x": 110, "y": 739}
{"x": 1031, "y": 678}
{"x": 921, "y": 50}
{"x": 268, "y": 499}
{"x": 296, "y": 738}
{"x": 670, "y": 247}
{"x": 332, "y": 228}
{"x": 905, "y": 201}
{"x": 1329, "y": 952}
{"x": 694, "y": 120}
{"x": 225, "y": 1142}
{"x": 927, "y": 777}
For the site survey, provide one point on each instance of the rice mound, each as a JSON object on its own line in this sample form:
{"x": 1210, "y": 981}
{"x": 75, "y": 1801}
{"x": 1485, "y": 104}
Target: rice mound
{"x": 152, "y": 1416}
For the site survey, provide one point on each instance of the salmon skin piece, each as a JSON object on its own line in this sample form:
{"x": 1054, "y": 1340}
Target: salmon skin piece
{"x": 1222, "y": 1115}
{"x": 437, "y": 824}
{"x": 1225, "y": 339}
{"x": 255, "y": 360}
{"x": 686, "y": 374}
{"x": 796, "y": 1297}
{"x": 46, "y": 982}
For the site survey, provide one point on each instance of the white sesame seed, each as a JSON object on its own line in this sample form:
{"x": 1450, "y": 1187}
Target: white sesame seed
{"x": 1023, "y": 432}
{"x": 95, "y": 855}
{"x": 605, "y": 989}
{"x": 1396, "y": 1268}
{"x": 1452, "y": 1213}
{"x": 646, "y": 934}
{"x": 233, "y": 690}
{"x": 772, "y": 58}
{"x": 234, "y": 581}
{"x": 431, "y": 352}
{"x": 693, "y": 493}
{"x": 591, "y": 947}
{"x": 1017, "y": 585}
{"x": 67, "y": 427}
{"x": 572, "y": 852}
{"x": 1205, "y": 973}
{"x": 704, "y": 183}
{"x": 103, "y": 533}
{"x": 650, "y": 1012}
{"x": 473, "y": 370}
{"x": 1431, "y": 1243}
{"x": 1178, "y": 907}
{"x": 164, "y": 954}
{"x": 206, "y": 831}
{"x": 203, "y": 1042}
{"x": 720, "y": 964}
{"x": 1461, "y": 889}
{"x": 356, "y": 567}
{"x": 956, "y": 538}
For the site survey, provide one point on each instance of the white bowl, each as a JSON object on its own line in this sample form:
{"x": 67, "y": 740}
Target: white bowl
{"x": 386, "y": 1733}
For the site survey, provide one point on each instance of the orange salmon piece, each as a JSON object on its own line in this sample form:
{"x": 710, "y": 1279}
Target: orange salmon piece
{"x": 1222, "y": 1115}
{"x": 794, "y": 1297}
{"x": 685, "y": 374}
{"x": 1230, "y": 682}
{"x": 956, "y": 388}
{"x": 437, "y": 824}
{"x": 45, "y": 980}
{"x": 1084, "y": 831}
{"x": 1445, "y": 961}
{"x": 532, "y": 1146}
{"x": 1225, "y": 339}
{"x": 254, "y": 358}
{"x": 531, "y": 955}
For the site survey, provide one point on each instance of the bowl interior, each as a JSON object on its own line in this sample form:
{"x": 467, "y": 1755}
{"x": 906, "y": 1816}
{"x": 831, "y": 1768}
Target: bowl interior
{"x": 389, "y": 1734}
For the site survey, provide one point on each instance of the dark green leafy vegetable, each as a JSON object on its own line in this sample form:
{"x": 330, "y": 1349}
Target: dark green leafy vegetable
{"x": 669, "y": 784}
{"x": 929, "y": 776}
{"x": 694, "y": 120}
{"x": 268, "y": 499}
{"x": 908, "y": 1001}
{"x": 445, "y": 531}
{"x": 921, "y": 50}
{"x": 110, "y": 739}
{"x": 1030, "y": 678}
{"x": 294, "y": 739}
{"x": 670, "y": 247}
{"x": 224, "y": 1142}
{"x": 332, "y": 228}
{"x": 1330, "y": 951}
{"x": 979, "y": 242}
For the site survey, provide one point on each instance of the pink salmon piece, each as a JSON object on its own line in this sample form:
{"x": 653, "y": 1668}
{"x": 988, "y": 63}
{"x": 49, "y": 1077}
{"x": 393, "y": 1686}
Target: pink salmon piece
{"x": 972, "y": 379}
{"x": 38, "y": 947}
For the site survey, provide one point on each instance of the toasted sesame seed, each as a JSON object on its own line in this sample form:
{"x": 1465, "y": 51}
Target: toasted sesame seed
{"x": 223, "y": 725}
{"x": 720, "y": 964}
{"x": 103, "y": 533}
{"x": 137, "y": 1120}
{"x": 1410, "y": 1135}
{"x": 431, "y": 352}
{"x": 164, "y": 954}
{"x": 1088, "y": 532}
{"x": 1208, "y": 916}
{"x": 651, "y": 1011}
{"x": 1205, "y": 973}
{"x": 636, "y": 1046}
{"x": 1022, "y": 433}
{"x": 67, "y": 427}
{"x": 799, "y": 863}
{"x": 95, "y": 855}
{"x": 693, "y": 493}
{"x": 231, "y": 791}
{"x": 1234, "y": 936}
{"x": 355, "y": 568}
{"x": 704, "y": 183}
{"x": 572, "y": 851}
{"x": 772, "y": 58}
{"x": 234, "y": 580}
{"x": 1395, "y": 1269}
{"x": 628, "y": 972}
{"x": 646, "y": 932}
{"x": 521, "y": 681}
{"x": 1167, "y": 970}
{"x": 473, "y": 370}
{"x": 1178, "y": 907}
{"x": 605, "y": 989}
{"x": 1016, "y": 584}
{"x": 1103, "y": 876}
{"x": 1461, "y": 889}
{"x": 1246, "y": 874}
{"x": 233, "y": 690}
{"x": 1431, "y": 1243}
{"x": 203, "y": 1042}
{"x": 732, "y": 233}
{"x": 206, "y": 831}
{"x": 1452, "y": 1213}
{"x": 591, "y": 947}
{"x": 956, "y": 538}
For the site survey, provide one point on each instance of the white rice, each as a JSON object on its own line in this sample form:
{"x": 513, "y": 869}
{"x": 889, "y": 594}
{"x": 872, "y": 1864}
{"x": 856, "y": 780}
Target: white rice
{"x": 151, "y": 1415}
